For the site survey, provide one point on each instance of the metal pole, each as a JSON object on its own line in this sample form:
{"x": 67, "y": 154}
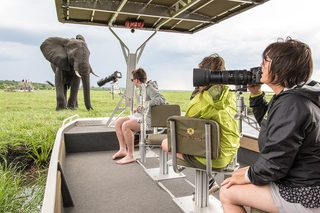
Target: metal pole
{"x": 240, "y": 106}
{"x": 242, "y": 116}
{"x": 131, "y": 59}
{"x": 142, "y": 145}
{"x": 164, "y": 168}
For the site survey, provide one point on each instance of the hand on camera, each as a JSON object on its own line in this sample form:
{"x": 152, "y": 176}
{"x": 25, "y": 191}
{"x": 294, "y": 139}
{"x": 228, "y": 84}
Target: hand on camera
{"x": 254, "y": 89}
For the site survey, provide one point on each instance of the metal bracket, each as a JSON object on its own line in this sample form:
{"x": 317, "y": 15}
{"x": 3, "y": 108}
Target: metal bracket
{"x": 131, "y": 59}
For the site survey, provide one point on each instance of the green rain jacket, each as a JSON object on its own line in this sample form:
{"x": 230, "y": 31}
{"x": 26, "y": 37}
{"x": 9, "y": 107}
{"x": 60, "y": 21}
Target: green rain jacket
{"x": 218, "y": 104}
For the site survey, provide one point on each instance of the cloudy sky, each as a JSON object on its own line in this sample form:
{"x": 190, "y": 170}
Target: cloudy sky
{"x": 168, "y": 58}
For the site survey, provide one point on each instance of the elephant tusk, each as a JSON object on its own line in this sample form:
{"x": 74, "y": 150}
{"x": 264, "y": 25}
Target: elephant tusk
{"x": 94, "y": 74}
{"x": 77, "y": 74}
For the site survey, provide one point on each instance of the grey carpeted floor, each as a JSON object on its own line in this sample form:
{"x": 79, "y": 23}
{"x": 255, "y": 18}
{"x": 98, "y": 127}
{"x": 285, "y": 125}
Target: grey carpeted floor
{"x": 97, "y": 184}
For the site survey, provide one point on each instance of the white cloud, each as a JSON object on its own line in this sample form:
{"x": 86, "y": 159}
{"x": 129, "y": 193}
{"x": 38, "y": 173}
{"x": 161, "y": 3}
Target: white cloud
{"x": 34, "y": 15}
{"x": 15, "y": 51}
{"x": 240, "y": 40}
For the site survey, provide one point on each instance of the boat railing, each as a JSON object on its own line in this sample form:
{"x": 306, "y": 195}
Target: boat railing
{"x": 52, "y": 196}
{"x": 69, "y": 119}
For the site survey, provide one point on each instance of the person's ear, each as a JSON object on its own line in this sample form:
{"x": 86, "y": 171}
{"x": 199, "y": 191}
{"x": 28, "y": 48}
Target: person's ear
{"x": 54, "y": 51}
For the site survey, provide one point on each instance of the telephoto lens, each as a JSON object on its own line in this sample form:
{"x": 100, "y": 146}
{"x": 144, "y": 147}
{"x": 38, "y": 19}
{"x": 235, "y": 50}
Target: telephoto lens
{"x": 113, "y": 77}
{"x": 204, "y": 77}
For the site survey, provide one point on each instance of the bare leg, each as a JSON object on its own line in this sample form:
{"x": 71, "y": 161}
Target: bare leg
{"x": 234, "y": 198}
{"x": 122, "y": 144}
{"x": 128, "y": 129}
{"x": 164, "y": 146}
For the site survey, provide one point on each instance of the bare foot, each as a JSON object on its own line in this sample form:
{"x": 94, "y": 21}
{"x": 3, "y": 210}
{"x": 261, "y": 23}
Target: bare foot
{"x": 119, "y": 154}
{"x": 126, "y": 159}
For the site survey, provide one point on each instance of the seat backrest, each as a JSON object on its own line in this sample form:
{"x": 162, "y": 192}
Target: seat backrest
{"x": 160, "y": 114}
{"x": 191, "y": 138}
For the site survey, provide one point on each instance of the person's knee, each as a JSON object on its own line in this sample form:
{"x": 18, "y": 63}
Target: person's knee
{"x": 224, "y": 194}
{"x": 118, "y": 124}
{"x": 126, "y": 126}
{"x": 164, "y": 145}
{"x": 131, "y": 125}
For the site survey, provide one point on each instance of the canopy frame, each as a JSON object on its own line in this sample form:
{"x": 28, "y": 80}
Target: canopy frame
{"x": 181, "y": 16}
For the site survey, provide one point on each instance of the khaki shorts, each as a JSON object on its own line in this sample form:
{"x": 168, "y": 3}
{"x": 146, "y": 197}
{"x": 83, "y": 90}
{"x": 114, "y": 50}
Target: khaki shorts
{"x": 287, "y": 207}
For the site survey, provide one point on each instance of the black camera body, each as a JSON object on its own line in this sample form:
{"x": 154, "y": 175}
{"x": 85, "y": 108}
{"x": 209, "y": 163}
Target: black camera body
{"x": 204, "y": 77}
{"x": 113, "y": 77}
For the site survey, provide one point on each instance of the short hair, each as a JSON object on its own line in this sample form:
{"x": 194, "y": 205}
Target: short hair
{"x": 212, "y": 62}
{"x": 139, "y": 74}
{"x": 291, "y": 62}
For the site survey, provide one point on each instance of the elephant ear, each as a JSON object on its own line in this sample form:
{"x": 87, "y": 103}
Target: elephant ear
{"x": 53, "y": 49}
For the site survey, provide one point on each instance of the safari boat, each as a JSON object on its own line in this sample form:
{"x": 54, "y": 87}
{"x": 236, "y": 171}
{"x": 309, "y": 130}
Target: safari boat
{"x": 82, "y": 176}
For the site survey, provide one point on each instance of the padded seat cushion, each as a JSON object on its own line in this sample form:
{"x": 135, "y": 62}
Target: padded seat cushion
{"x": 160, "y": 114}
{"x": 156, "y": 139}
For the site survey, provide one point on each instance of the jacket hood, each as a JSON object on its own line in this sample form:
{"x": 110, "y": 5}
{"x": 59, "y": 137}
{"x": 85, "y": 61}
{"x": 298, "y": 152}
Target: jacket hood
{"x": 310, "y": 90}
{"x": 154, "y": 84}
{"x": 214, "y": 98}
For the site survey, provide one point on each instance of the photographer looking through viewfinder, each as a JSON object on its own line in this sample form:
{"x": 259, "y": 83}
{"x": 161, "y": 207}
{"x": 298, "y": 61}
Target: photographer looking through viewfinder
{"x": 286, "y": 175}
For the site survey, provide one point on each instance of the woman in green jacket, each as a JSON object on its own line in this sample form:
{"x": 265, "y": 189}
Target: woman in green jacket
{"x": 214, "y": 102}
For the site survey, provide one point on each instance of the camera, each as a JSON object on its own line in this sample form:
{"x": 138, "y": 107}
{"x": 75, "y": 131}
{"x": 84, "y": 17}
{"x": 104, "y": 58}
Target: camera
{"x": 203, "y": 77}
{"x": 113, "y": 77}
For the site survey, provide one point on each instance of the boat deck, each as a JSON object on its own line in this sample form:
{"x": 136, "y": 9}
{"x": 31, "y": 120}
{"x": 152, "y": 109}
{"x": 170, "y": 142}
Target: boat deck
{"x": 100, "y": 185}
{"x": 82, "y": 157}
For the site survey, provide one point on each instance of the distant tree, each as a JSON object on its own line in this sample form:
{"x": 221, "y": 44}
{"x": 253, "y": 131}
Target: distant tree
{"x": 16, "y": 85}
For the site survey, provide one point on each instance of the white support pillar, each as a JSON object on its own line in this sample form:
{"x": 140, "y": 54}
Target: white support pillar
{"x": 131, "y": 59}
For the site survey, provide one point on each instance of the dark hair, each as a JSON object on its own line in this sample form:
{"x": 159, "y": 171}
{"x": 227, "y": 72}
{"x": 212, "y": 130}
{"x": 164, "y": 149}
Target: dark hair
{"x": 291, "y": 62}
{"x": 213, "y": 62}
{"x": 139, "y": 74}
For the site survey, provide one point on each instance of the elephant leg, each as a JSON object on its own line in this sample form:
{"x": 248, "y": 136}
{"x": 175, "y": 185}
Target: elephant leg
{"x": 60, "y": 94}
{"x": 73, "y": 99}
{"x": 65, "y": 90}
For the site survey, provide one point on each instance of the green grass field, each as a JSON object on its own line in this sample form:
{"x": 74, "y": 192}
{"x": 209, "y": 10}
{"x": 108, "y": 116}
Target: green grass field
{"x": 28, "y": 124}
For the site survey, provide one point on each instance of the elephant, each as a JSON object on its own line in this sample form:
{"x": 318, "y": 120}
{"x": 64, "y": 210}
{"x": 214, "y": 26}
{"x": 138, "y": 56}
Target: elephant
{"x": 69, "y": 59}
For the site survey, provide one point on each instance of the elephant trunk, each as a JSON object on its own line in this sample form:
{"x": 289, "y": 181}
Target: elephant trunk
{"x": 86, "y": 91}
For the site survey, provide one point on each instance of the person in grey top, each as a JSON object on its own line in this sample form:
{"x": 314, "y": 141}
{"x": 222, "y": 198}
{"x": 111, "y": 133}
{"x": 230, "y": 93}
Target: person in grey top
{"x": 126, "y": 127}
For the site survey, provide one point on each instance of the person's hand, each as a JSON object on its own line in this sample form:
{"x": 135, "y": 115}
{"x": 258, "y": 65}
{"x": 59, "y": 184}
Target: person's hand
{"x": 237, "y": 178}
{"x": 241, "y": 171}
{"x": 254, "y": 89}
{"x": 139, "y": 109}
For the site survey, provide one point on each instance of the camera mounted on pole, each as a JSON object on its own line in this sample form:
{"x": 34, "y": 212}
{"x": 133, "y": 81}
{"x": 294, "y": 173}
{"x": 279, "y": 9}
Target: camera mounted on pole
{"x": 113, "y": 78}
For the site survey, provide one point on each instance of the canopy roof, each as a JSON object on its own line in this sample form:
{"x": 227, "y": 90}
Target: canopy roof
{"x": 182, "y": 16}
